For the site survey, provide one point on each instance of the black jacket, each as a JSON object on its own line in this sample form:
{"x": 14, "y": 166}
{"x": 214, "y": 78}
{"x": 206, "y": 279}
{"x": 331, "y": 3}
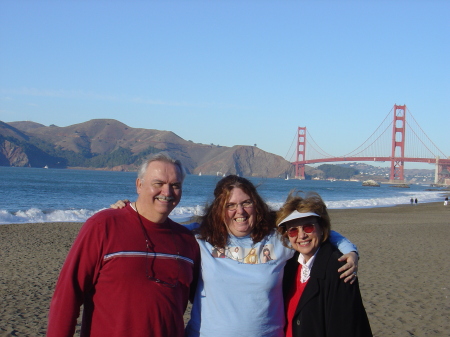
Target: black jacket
{"x": 329, "y": 307}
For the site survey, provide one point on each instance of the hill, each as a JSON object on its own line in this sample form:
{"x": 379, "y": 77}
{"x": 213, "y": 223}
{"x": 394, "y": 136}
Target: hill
{"x": 110, "y": 144}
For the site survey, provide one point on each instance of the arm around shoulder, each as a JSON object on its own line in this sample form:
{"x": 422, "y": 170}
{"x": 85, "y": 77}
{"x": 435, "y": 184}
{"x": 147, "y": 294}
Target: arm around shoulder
{"x": 342, "y": 243}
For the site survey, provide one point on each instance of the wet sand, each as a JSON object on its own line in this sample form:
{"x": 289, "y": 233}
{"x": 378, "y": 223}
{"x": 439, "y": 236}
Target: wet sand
{"x": 404, "y": 269}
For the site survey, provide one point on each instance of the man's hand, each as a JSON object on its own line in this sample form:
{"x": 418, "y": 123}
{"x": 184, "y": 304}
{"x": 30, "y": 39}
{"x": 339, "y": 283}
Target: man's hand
{"x": 119, "y": 204}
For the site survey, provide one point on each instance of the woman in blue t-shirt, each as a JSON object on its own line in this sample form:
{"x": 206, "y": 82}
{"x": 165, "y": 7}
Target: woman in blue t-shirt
{"x": 241, "y": 294}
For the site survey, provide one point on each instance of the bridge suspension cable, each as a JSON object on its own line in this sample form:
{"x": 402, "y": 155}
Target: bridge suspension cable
{"x": 294, "y": 141}
{"x": 379, "y": 143}
{"x": 436, "y": 152}
{"x": 378, "y": 138}
{"x": 313, "y": 146}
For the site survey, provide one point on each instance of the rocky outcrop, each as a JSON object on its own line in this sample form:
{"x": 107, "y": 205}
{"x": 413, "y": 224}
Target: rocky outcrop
{"x": 370, "y": 183}
{"x": 13, "y": 155}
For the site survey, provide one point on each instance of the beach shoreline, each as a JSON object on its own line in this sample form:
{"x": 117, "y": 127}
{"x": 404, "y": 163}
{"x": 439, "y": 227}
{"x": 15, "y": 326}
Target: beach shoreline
{"x": 404, "y": 270}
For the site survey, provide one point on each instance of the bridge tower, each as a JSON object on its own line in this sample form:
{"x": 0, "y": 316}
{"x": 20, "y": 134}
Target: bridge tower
{"x": 301, "y": 151}
{"x": 398, "y": 144}
{"x": 442, "y": 172}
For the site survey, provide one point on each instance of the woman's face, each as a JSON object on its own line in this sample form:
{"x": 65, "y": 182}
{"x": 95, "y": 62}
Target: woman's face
{"x": 305, "y": 243}
{"x": 239, "y": 213}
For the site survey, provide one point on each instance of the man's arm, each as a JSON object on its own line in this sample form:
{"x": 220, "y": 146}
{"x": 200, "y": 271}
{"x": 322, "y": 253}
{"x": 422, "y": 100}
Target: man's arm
{"x": 351, "y": 256}
{"x": 342, "y": 243}
{"x": 75, "y": 281}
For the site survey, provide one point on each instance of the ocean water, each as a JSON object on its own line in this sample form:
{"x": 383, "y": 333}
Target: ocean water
{"x": 32, "y": 195}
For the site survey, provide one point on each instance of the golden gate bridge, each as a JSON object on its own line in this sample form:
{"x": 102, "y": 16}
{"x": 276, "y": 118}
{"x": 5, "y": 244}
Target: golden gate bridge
{"x": 399, "y": 141}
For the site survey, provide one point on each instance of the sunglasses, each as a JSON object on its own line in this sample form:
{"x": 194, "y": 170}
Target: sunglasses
{"x": 293, "y": 231}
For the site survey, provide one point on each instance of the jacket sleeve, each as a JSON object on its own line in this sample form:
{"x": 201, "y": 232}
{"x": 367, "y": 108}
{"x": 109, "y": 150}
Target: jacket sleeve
{"x": 76, "y": 280}
{"x": 342, "y": 243}
{"x": 344, "y": 311}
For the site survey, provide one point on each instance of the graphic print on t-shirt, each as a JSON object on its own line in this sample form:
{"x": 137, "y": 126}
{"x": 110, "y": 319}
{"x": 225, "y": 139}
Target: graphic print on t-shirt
{"x": 250, "y": 255}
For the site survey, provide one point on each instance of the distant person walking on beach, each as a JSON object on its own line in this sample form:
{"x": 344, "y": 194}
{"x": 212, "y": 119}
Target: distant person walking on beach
{"x": 411, "y": 201}
{"x": 445, "y": 201}
{"x": 415, "y": 201}
{"x": 131, "y": 268}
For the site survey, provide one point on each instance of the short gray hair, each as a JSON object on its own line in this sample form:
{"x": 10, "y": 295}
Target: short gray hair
{"x": 164, "y": 157}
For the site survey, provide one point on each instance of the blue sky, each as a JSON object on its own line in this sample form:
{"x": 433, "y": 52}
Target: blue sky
{"x": 229, "y": 72}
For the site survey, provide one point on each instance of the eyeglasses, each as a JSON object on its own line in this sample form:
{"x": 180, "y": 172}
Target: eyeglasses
{"x": 177, "y": 258}
{"x": 155, "y": 255}
{"x": 157, "y": 280}
{"x": 308, "y": 229}
{"x": 245, "y": 204}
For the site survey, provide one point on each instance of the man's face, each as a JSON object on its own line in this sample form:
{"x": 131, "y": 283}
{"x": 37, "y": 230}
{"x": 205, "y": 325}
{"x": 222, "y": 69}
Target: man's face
{"x": 159, "y": 191}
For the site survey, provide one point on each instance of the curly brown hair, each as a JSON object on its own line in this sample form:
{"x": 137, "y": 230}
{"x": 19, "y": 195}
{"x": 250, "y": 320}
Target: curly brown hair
{"x": 212, "y": 225}
{"x": 311, "y": 202}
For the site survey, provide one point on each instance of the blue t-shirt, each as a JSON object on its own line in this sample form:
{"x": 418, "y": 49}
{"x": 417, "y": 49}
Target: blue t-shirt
{"x": 240, "y": 287}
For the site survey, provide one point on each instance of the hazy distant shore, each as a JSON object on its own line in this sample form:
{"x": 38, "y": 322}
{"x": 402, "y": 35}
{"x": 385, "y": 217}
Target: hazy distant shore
{"x": 404, "y": 269}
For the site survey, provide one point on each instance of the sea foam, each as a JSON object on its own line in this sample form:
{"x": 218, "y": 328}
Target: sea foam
{"x": 34, "y": 215}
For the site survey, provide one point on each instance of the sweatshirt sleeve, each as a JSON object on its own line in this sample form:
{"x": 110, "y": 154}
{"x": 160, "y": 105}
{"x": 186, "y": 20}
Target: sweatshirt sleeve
{"x": 192, "y": 226}
{"x": 76, "y": 280}
{"x": 342, "y": 243}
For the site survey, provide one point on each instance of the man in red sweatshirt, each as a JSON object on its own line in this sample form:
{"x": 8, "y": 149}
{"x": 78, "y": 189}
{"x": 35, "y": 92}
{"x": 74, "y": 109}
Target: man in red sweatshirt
{"x": 133, "y": 268}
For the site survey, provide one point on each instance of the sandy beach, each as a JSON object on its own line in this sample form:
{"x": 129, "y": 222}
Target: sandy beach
{"x": 404, "y": 269}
